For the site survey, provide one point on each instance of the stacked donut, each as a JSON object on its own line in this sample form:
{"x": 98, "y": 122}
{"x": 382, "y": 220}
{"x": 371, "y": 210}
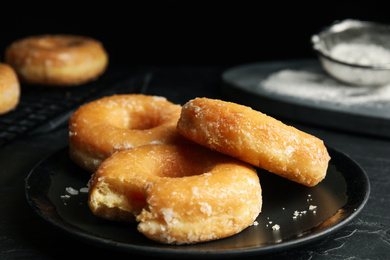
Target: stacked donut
{"x": 186, "y": 173}
{"x": 49, "y": 60}
{"x": 255, "y": 138}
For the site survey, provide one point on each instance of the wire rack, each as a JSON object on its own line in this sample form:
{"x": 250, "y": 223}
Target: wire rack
{"x": 46, "y": 107}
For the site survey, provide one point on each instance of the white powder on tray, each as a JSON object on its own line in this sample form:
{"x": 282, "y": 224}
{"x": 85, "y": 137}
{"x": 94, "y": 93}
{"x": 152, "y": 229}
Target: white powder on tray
{"x": 316, "y": 86}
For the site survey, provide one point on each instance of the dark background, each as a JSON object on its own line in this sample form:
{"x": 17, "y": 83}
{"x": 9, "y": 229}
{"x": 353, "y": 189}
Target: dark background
{"x": 187, "y": 32}
{"x": 222, "y": 33}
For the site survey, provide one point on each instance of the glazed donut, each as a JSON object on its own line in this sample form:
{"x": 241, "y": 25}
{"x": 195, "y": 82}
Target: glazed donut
{"x": 57, "y": 60}
{"x": 255, "y": 138}
{"x": 110, "y": 124}
{"x": 9, "y": 89}
{"x": 178, "y": 194}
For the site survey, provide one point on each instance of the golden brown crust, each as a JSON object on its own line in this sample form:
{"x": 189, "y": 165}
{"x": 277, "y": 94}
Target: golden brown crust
{"x": 179, "y": 194}
{"x": 57, "y": 60}
{"x": 255, "y": 138}
{"x": 110, "y": 124}
{"x": 9, "y": 89}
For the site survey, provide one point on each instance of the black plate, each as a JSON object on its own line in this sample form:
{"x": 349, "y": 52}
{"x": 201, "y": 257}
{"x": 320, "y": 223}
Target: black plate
{"x": 51, "y": 186}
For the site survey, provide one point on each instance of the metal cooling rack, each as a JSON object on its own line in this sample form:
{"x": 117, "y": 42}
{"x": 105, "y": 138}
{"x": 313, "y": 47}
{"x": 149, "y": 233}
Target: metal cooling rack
{"x": 44, "y": 108}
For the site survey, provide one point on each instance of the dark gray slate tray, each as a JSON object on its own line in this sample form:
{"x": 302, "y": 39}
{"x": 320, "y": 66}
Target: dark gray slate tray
{"x": 300, "y": 90}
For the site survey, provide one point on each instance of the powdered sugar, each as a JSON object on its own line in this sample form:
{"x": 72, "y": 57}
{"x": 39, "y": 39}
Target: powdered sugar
{"x": 275, "y": 227}
{"x": 168, "y": 215}
{"x": 361, "y": 54}
{"x": 316, "y": 86}
{"x": 206, "y": 208}
{"x": 71, "y": 191}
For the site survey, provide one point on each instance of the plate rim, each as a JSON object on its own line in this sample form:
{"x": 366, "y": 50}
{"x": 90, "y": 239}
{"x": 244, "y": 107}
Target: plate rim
{"x": 177, "y": 251}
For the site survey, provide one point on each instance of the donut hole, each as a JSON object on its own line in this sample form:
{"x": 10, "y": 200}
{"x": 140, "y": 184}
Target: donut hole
{"x": 74, "y": 42}
{"x": 144, "y": 124}
{"x": 130, "y": 120}
{"x": 175, "y": 169}
{"x": 146, "y": 120}
{"x": 46, "y": 43}
{"x": 55, "y": 42}
{"x": 186, "y": 161}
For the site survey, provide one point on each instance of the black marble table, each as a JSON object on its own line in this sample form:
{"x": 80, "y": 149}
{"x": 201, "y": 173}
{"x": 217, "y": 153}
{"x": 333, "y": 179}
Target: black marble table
{"x": 24, "y": 235}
